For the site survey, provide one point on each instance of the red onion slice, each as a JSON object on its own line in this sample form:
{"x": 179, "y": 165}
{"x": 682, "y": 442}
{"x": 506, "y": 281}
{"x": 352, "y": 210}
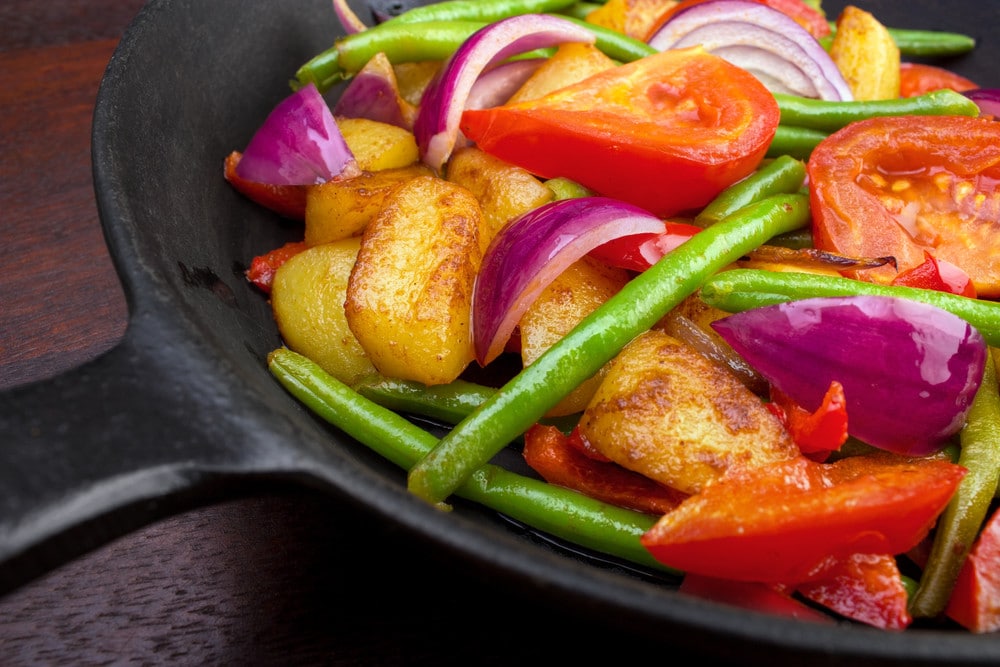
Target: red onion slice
{"x": 298, "y": 144}
{"x": 497, "y": 85}
{"x": 530, "y": 251}
{"x": 441, "y": 107}
{"x": 987, "y": 99}
{"x": 909, "y": 370}
{"x": 349, "y": 21}
{"x": 764, "y": 41}
{"x": 373, "y": 93}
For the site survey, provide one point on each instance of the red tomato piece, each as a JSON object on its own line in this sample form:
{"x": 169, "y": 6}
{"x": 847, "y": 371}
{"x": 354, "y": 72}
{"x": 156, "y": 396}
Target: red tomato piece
{"x": 790, "y": 521}
{"x": 548, "y": 452}
{"x": 919, "y": 78}
{"x": 667, "y": 132}
{"x": 866, "y": 588}
{"x": 975, "y": 600}
{"x": 752, "y": 595}
{"x": 908, "y": 185}
{"x": 638, "y": 252}
{"x": 263, "y": 267}
{"x": 808, "y": 17}
{"x": 817, "y": 433}
{"x": 935, "y": 274}
{"x": 288, "y": 201}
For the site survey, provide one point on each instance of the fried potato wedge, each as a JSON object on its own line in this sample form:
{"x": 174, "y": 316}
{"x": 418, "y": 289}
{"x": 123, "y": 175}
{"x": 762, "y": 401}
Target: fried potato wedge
{"x": 866, "y": 54}
{"x": 570, "y": 64}
{"x": 667, "y": 412}
{"x": 307, "y": 298}
{"x": 378, "y": 145}
{"x": 409, "y": 297}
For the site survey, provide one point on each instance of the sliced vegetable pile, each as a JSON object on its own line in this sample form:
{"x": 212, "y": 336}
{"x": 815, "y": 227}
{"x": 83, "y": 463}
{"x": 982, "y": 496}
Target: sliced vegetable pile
{"x": 744, "y": 260}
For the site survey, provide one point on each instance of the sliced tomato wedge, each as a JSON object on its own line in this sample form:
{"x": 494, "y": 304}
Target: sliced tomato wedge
{"x": 920, "y": 78}
{"x": 817, "y": 433}
{"x": 638, "y": 252}
{"x": 909, "y": 185}
{"x": 550, "y": 453}
{"x": 790, "y": 522}
{"x": 939, "y": 275}
{"x": 667, "y": 132}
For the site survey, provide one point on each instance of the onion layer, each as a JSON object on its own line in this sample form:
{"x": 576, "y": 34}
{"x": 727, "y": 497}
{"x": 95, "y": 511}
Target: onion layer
{"x": 909, "y": 370}
{"x": 764, "y": 41}
{"x": 373, "y": 93}
{"x": 298, "y": 144}
{"x": 436, "y": 127}
{"x": 530, "y": 251}
{"x": 987, "y": 99}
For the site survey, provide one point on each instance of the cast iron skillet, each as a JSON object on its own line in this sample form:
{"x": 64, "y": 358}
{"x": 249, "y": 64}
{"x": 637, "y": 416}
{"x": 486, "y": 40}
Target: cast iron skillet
{"x": 183, "y": 411}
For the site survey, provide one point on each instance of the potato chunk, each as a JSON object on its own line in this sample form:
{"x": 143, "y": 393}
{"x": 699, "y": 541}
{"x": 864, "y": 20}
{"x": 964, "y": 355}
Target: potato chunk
{"x": 667, "y": 412}
{"x": 574, "y": 294}
{"x": 378, "y": 145}
{"x": 338, "y": 209}
{"x": 409, "y": 297}
{"x": 866, "y": 54}
{"x": 504, "y": 191}
{"x": 307, "y": 298}
{"x": 571, "y": 63}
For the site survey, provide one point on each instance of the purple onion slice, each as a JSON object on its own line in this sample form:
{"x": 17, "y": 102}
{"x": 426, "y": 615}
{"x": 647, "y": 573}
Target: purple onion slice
{"x": 436, "y": 127}
{"x": 909, "y": 370}
{"x": 298, "y": 144}
{"x": 987, "y": 99}
{"x": 768, "y": 43}
{"x": 373, "y": 93}
{"x": 532, "y": 250}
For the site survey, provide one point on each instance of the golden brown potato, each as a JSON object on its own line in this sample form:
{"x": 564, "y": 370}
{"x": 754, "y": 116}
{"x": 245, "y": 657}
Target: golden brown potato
{"x": 503, "y": 190}
{"x": 412, "y": 78}
{"x": 571, "y": 63}
{"x": 634, "y": 18}
{"x": 665, "y": 411}
{"x": 338, "y": 209}
{"x": 573, "y": 295}
{"x": 378, "y": 145}
{"x": 409, "y": 296}
{"x": 307, "y": 298}
{"x": 866, "y": 54}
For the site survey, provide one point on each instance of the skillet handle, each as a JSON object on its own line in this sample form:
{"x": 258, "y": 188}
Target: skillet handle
{"x": 101, "y": 450}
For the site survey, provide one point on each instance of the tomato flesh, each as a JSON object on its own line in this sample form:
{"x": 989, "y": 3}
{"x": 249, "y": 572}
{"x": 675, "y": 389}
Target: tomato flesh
{"x": 910, "y": 185}
{"x": 667, "y": 132}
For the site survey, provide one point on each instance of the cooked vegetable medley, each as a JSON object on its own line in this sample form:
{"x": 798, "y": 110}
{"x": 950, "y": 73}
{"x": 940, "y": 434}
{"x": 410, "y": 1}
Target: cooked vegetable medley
{"x": 726, "y": 272}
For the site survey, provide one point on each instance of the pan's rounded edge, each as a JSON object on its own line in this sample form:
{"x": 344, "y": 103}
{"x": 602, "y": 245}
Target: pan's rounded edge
{"x": 191, "y": 317}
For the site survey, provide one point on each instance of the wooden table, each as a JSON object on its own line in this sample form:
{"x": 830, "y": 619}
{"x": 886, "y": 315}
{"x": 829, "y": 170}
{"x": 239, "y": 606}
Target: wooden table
{"x": 272, "y": 580}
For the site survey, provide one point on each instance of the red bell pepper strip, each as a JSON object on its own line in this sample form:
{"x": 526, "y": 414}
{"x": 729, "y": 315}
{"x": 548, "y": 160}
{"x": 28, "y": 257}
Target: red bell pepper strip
{"x": 817, "y": 433}
{"x": 549, "y": 453}
{"x": 866, "y": 588}
{"x": 263, "y": 267}
{"x": 789, "y": 521}
{"x": 638, "y": 252}
{"x": 288, "y": 201}
{"x": 975, "y": 600}
{"x": 937, "y": 274}
{"x": 752, "y": 595}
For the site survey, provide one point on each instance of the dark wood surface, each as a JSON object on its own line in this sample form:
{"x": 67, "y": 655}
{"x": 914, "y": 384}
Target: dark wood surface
{"x": 285, "y": 579}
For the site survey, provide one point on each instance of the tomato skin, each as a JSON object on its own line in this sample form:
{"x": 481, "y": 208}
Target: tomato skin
{"x": 288, "y": 201}
{"x": 550, "y": 453}
{"x": 790, "y": 522}
{"x": 975, "y": 600}
{"x": 667, "y": 132}
{"x": 263, "y": 267}
{"x": 903, "y": 186}
{"x": 817, "y": 433}
{"x": 934, "y": 274}
{"x": 638, "y": 252}
{"x": 919, "y": 78}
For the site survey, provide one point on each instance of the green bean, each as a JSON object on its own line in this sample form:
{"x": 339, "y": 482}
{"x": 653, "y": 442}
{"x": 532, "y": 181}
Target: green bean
{"x": 782, "y": 175}
{"x": 921, "y": 43}
{"x": 486, "y": 11}
{"x": 449, "y": 403}
{"x": 580, "y": 10}
{"x": 401, "y": 42}
{"x": 564, "y": 188}
{"x": 796, "y": 142}
{"x": 959, "y": 524}
{"x": 598, "y": 338}
{"x": 829, "y": 116}
{"x": 614, "y": 44}
{"x": 743, "y": 289}
{"x": 561, "y": 512}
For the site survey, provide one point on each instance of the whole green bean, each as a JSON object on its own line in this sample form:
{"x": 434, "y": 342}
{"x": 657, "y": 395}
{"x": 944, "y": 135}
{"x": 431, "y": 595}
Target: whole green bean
{"x": 616, "y": 45}
{"x": 449, "y": 403}
{"x": 782, "y": 175}
{"x": 959, "y": 524}
{"x": 829, "y": 116}
{"x": 921, "y": 43}
{"x": 796, "y": 142}
{"x": 742, "y": 289}
{"x": 580, "y": 10}
{"x": 596, "y": 340}
{"x": 486, "y": 11}
{"x": 558, "y": 511}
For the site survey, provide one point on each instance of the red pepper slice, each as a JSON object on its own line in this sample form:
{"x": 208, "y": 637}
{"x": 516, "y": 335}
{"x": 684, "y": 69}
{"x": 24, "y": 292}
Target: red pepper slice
{"x": 937, "y": 274}
{"x": 667, "y": 132}
{"x": 752, "y": 595}
{"x": 919, "y": 78}
{"x": 817, "y": 433}
{"x": 288, "y": 201}
{"x": 638, "y": 252}
{"x": 263, "y": 267}
{"x": 789, "y": 521}
{"x": 975, "y": 600}
{"x": 866, "y": 588}
{"x": 549, "y": 453}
